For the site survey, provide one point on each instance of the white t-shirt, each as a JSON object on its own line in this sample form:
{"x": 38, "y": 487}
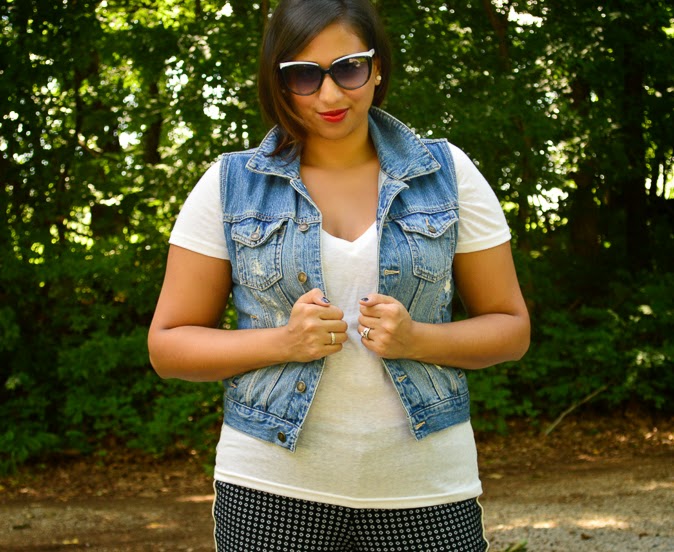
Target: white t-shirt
{"x": 481, "y": 221}
{"x": 355, "y": 448}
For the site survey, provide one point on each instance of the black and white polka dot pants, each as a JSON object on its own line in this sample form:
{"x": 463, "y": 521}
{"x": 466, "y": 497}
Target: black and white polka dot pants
{"x": 247, "y": 520}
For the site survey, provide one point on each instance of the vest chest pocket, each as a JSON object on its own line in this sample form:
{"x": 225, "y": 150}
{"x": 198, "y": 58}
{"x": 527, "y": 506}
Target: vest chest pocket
{"x": 258, "y": 251}
{"x": 432, "y": 241}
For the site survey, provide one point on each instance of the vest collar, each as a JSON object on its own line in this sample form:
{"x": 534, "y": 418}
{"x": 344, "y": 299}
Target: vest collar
{"x": 402, "y": 155}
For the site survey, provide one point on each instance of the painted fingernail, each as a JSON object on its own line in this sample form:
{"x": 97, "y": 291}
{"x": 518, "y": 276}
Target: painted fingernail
{"x": 365, "y": 299}
{"x": 325, "y": 300}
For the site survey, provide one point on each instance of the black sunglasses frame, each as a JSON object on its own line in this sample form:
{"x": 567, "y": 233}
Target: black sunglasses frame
{"x": 369, "y": 55}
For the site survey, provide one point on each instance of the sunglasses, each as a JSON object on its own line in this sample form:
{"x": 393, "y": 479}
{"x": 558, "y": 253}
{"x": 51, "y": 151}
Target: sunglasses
{"x": 349, "y": 72}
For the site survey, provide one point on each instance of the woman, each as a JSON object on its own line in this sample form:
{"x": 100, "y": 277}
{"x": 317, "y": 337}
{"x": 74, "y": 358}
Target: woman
{"x": 341, "y": 239}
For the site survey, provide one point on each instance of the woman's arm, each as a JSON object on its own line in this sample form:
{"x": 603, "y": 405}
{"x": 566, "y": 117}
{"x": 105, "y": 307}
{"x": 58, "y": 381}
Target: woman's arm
{"x": 184, "y": 341}
{"x": 497, "y": 329}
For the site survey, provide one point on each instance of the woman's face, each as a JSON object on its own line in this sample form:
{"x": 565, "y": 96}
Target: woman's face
{"x": 334, "y": 113}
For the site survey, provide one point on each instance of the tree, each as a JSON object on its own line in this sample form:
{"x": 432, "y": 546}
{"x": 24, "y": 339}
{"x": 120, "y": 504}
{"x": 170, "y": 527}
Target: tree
{"x": 110, "y": 110}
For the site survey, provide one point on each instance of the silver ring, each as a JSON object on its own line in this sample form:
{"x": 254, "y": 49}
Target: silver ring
{"x": 332, "y": 338}
{"x": 365, "y": 333}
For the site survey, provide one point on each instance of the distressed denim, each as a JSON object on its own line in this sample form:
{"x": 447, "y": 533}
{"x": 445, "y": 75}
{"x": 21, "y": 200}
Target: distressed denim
{"x": 272, "y": 229}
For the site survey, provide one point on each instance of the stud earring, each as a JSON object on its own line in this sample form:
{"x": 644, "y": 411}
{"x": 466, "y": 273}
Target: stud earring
{"x": 378, "y": 79}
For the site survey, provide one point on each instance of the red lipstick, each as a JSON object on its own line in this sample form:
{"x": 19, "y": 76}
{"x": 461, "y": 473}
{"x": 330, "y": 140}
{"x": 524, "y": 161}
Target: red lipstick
{"x": 334, "y": 116}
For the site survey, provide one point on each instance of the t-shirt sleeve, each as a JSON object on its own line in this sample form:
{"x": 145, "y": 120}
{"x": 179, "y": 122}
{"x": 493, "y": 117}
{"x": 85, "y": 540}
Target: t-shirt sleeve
{"x": 199, "y": 226}
{"x": 482, "y": 224}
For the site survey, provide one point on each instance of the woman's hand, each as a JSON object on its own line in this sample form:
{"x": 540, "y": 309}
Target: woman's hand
{"x": 316, "y": 328}
{"x": 496, "y": 330}
{"x": 390, "y": 326}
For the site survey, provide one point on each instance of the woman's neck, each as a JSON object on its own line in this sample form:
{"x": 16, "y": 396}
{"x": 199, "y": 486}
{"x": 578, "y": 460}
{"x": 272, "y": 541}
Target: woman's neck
{"x": 337, "y": 154}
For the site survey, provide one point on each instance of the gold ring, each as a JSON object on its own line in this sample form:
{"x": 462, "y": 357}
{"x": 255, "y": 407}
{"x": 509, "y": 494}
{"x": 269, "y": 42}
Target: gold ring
{"x": 332, "y": 338}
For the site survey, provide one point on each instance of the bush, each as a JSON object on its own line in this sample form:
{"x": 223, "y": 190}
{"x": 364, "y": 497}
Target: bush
{"x": 620, "y": 348}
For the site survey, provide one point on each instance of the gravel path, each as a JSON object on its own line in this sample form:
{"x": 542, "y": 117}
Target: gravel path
{"x": 598, "y": 485}
{"x": 598, "y": 507}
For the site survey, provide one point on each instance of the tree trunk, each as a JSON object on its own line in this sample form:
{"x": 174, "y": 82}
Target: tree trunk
{"x": 152, "y": 137}
{"x": 499, "y": 22}
{"x": 633, "y": 176}
{"x": 584, "y": 212}
{"x": 264, "y": 14}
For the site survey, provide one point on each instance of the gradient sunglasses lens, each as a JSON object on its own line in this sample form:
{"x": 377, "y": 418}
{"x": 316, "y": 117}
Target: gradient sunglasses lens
{"x": 349, "y": 72}
{"x": 353, "y": 72}
{"x": 302, "y": 78}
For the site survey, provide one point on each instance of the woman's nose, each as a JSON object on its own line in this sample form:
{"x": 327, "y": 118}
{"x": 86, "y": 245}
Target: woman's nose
{"x": 329, "y": 91}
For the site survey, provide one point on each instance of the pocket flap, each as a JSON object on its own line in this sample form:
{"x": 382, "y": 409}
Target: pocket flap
{"x": 431, "y": 225}
{"x": 253, "y": 232}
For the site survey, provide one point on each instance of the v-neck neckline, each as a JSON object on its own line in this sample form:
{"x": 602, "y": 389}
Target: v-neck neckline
{"x": 358, "y": 239}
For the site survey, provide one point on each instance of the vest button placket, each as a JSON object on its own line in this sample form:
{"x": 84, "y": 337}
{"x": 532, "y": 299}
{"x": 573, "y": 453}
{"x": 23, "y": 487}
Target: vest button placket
{"x": 418, "y": 201}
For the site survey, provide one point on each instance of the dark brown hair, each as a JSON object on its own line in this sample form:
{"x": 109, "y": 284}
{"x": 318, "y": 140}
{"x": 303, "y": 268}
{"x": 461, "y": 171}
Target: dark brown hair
{"x": 293, "y": 25}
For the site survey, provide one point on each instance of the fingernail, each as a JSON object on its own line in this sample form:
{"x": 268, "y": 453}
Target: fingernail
{"x": 365, "y": 299}
{"x": 325, "y": 300}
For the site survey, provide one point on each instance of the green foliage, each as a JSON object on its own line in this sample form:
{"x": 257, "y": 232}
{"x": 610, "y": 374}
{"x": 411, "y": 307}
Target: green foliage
{"x": 110, "y": 111}
{"x": 22, "y": 443}
{"x": 517, "y": 547}
{"x": 621, "y": 345}
{"x": 109, "y": 114}
{"x": 183, "y": 417}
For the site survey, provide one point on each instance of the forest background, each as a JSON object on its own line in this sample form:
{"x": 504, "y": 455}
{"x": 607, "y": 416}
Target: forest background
{"x": 110, "y": 110}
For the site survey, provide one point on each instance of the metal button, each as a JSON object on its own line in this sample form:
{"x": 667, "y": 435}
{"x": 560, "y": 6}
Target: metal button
{"x": 301, "y": 386}
{"x": 255, "y": 236}
{"x": 281, "y": 436}
{"x": 302, "y": 277}
{"x": 303, "y": 227}
{"x": 432, "y": 229}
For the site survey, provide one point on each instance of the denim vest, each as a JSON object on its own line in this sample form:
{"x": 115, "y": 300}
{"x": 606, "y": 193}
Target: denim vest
{"x": 272, "y": 228}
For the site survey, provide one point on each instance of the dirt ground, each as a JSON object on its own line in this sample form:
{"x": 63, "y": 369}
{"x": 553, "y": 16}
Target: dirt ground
{"x": 600, "y": 485}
